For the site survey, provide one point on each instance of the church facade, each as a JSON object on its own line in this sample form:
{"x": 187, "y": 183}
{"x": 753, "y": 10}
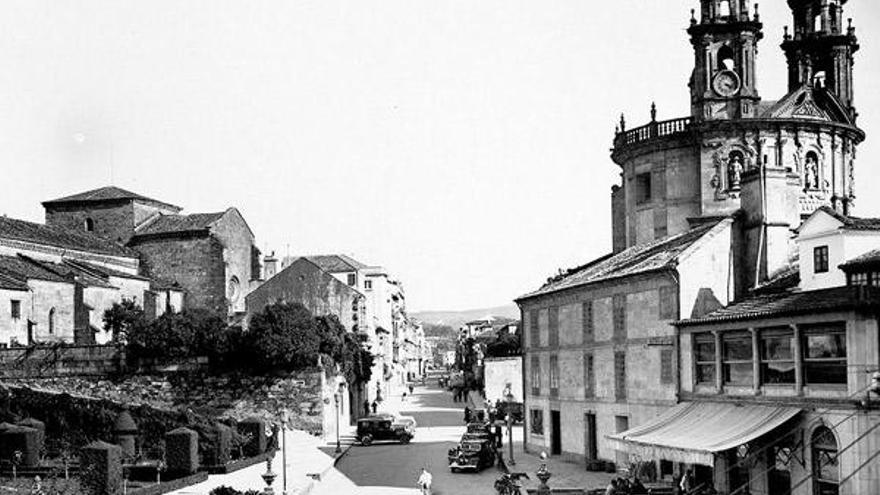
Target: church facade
{"x": 707, "y": 216}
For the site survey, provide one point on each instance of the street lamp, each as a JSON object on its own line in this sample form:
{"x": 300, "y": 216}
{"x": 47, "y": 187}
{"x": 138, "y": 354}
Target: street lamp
{"x": 284, "y": 420}
{"x": 338, "y": 398}
{"x": 508, "y": 397}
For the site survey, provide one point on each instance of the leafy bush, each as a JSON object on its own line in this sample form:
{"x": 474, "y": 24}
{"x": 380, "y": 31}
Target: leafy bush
{"x": 282, "y": 337}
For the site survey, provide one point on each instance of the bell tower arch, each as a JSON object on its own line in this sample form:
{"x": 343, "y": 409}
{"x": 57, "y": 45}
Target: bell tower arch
{"x": 725, "y": 40}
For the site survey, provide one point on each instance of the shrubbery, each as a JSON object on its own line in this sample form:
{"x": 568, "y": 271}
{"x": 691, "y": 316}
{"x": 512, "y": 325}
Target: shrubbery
{"x": 281, "y": 338}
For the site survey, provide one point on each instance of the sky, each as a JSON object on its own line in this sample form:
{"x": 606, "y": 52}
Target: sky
{"x": 462, "y": 144}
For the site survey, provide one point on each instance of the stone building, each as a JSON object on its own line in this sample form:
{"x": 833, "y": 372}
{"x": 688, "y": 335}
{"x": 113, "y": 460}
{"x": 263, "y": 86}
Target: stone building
{"x": 305, "y": 282}
{"x": 777, "y": 388}
{"x": 210, "y": 256}
{"x": 709, "y": 216}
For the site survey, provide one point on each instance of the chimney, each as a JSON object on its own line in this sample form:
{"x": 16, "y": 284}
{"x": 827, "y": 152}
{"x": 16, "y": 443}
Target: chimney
{"x": 270, "y": 266}
{"x": 769, "y": 202}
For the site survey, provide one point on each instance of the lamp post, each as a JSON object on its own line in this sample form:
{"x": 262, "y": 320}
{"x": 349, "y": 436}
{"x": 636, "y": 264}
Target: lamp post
{"x": 336, "y": 398}
{"x": 544, "y": 476}
{"x": 284, "y": 419}
{"x": 509, "y": 398}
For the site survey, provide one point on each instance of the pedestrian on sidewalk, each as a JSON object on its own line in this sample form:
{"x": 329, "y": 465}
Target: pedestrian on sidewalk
{"x": 403, "y": 397}
{"x": 366, "y": 407}
{"x": 374, "y": 406}
{"x": 410, "y": 389}
{"x": 467, "y": 414}
{"x": 499, "y": 436}
{"x": 425, "y": 480}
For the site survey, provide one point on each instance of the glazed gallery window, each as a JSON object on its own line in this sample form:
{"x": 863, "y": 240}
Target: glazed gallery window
{"x": 777, "y": 356}
{"x": 825, "y": 355}
{"x": 820, "y": 259}
{"x": 704, "y": 350}
{"x": 536, "y": 422}
{"x": 736, "y": 358}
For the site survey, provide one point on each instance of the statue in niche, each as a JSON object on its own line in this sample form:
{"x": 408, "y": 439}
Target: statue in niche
{"x": 734, "y": 170}
{"x": 811, "y": 171}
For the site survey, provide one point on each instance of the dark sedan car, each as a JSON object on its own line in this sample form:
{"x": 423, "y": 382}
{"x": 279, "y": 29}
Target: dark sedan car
{"x": 474, "y": 452}
{"x": 378, "y": 428}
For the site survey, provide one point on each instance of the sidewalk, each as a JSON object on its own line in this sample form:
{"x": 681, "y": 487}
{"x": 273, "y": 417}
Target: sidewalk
{"x": 304, "y": 458}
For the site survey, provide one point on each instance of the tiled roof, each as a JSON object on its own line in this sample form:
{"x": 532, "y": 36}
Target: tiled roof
{"x": 22, "y": 269}
{"x": 794, "y": 303}
{"x": 332, "y": 263}
{"x": 109, "y": 193}
{"x": 101, "y": 271}
{"x": 10, "y": 283}
{"x": 853, "y": 223}
{"x": 72, "y": 272}
{"x": 869, "y": 258}
{"x": 36, "y": 233}
{"x": 786, "y": 279}
{"x": 644, "y": 258}
{"x": 176, "y": 224}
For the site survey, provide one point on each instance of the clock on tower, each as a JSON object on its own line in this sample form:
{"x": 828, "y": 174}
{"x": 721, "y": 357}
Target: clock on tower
{"x": 725, "y": 40}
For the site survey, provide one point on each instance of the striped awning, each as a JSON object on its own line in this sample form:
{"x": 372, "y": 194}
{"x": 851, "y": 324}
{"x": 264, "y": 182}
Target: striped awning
{"x": 693, "y": 432}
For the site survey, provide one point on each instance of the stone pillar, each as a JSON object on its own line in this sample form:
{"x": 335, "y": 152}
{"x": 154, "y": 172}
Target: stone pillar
{"x": 125, "y": 433}
{"x": 798, "y": 361}
{"x": 22, "y": 439}
{"x": 255, "y": 430}
{"x": 722, "y": 476}
{"x": 756, "y": 361}
{"x": 221, "y": 445}
{"x": 182, "y": 451}
{"x": 101, "y": 469}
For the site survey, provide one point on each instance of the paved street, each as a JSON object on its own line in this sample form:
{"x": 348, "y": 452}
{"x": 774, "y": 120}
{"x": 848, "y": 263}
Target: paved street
{"x": 394, "y": 468}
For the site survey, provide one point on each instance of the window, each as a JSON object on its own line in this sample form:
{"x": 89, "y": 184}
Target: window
{"x": 15, "y": 309}
{"x": 536, "y": 421}
{"x": 666, "y": 366}
{"x": 668, "y": 303}
{"x": 620, "y": 375}
{"x": 661, "y": 228}
{"x": 825, "y": 355}
{"x": 777, "y": 356}
{"x": 704, "y": 350}
{"x": 553, "y": 326}
{"x": 52, "y": 321}
{"x": 724, "y": 9}
{"x": 534, "y": 331}
{"x": 726, "y": 57}
{"x": 826, "y": 473}
{"x": 589, "y": 377}
{"x": 619, "y": 308}
{"x": 587, "y": 320}
{"x": 368, "y": 284}
{"x": 643, "y": 188}
{"x": 864, "y": 278}
{"x": 820, "y": 259}
{"x": 535, "y": 375}
{"x": 554, "y": 376}
{"x": 736, "y": 358}
{"x": 352, "y": 279}
{"x": 89, "y": 225}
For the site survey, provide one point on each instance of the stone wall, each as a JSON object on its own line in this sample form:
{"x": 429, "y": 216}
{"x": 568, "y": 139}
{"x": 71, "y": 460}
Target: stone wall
{"x": 196, "y": 263}
{"x": 88, "y": 360}
{"x": 114, "y": 221}
{"x": 238, "y": 244}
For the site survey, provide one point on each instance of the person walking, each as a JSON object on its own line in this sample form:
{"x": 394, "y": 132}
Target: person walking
{"x": 499, "y": 436}
{"x": 374, "y": 406}
{"x": 467, "y": 414}
{"x": 410, "y": 389}
{"x": 366, "y": 407}
{"x": 425, "y": 481}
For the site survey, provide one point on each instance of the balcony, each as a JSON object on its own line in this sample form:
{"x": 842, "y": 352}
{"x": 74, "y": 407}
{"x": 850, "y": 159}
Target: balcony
{"x": 652, "y": 130}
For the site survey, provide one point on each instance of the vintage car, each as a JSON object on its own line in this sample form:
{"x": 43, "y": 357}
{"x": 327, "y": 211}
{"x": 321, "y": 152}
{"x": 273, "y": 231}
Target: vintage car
{"x": 381, "y": 428}
{"x": 475, "y": 451}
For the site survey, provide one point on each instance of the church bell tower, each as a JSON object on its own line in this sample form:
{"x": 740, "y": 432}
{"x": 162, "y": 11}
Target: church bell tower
{"x": 725, "y": 40}
{"x": 820, "y": 51}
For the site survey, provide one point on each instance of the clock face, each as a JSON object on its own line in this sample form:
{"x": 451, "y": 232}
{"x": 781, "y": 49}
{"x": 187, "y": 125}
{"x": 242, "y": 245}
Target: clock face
{"x": 726, "y": 83}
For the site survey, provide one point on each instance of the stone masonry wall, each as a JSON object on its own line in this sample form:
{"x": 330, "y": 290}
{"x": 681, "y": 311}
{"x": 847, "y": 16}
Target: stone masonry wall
{"x": 114, "y": 221}
{"x": 196, "y": 263}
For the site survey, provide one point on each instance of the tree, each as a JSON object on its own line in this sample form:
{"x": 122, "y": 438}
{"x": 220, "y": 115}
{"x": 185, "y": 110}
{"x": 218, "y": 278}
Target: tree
{"x": 282, "y": 337}
{"x": 120, "y": 318}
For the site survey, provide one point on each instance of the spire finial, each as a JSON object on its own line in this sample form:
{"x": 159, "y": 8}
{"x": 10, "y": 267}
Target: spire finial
{"x": 785, "y": 35}
{"x": 653, "y": 111}
{"x": 693, "y": 17}
{"x": 622, "y": 123}
{"x": 757, "y": 15}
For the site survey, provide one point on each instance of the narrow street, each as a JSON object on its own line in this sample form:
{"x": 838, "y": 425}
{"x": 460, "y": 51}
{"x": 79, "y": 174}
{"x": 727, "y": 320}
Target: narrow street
{"x": 440, "y": 425}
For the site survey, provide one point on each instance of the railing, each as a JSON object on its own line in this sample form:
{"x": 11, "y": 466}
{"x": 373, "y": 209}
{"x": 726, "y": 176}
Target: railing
{"x": 651, "y": 131}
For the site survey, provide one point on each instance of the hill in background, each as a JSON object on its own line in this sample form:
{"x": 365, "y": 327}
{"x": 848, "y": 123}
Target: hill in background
{"x": 456, "y": 319}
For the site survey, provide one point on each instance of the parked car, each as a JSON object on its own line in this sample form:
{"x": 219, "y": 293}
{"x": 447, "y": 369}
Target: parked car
{"x": 382, "y": 428}
{"x": 475, "y": 452}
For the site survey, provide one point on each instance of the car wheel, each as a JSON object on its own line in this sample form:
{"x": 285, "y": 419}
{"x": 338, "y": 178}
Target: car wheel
{"x": 366, "y": 440}
{"x": 454, "y": 469}
{"x": 405, "y": 439}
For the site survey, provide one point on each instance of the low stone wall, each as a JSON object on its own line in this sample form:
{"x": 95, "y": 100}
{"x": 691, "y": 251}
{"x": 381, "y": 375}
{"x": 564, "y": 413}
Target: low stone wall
{"x": 60, "y": 360}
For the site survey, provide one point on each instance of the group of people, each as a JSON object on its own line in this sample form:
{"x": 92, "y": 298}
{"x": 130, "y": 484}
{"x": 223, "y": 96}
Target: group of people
{"x": 624, "y": 486}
